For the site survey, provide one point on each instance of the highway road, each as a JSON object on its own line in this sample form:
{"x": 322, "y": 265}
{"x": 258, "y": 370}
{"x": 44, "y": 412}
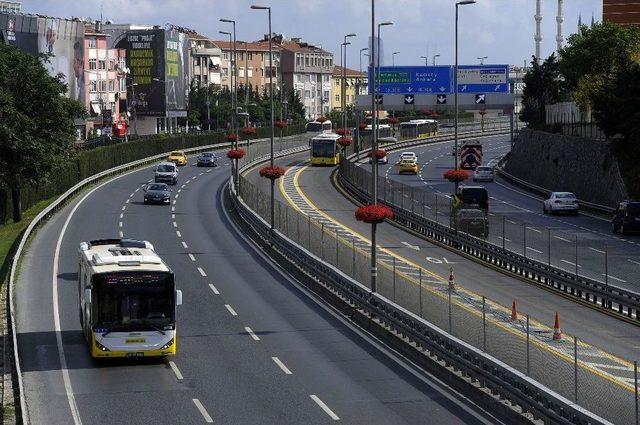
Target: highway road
{"x": 253, "y": 348}
{"x": 616, "y": 336}
{"x": 547, "y": 237}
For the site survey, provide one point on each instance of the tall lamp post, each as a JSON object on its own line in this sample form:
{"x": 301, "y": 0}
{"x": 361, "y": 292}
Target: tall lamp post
{"x": 268, "y": 9}
{"x": 232, "y": 72}
{"x": 426, "y": 60}
{"x": 482, "y": 59}
{"x": 234, "y": 81}
{"x": 434, "y": 59}
{"x": 455, "y": 84}
{"x": 393, "y": 58}
{"x": 344, "y": 83}
{"x": 374, "y": 55}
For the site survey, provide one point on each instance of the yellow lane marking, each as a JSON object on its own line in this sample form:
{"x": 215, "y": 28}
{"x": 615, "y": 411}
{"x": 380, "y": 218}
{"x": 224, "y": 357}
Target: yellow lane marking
{"x": 553, "y": 350}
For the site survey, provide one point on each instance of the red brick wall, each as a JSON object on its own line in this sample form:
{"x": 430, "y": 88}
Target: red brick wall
{"x": 622, "y": 11}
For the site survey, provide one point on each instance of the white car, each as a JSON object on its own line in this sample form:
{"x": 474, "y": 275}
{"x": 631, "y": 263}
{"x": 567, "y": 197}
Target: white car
{"x": 166, "y": 172}
{"x": 408, "y": 156}
{"x": 561, "y": 202}
{"x": 483, "y": 173}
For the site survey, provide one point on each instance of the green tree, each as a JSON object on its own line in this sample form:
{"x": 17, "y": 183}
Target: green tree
{"x": 36, "y": 122}
{"x": 542, "y": 87}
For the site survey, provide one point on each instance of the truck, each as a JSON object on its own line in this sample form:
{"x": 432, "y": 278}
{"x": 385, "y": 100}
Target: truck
{"x": 470, "y": 154}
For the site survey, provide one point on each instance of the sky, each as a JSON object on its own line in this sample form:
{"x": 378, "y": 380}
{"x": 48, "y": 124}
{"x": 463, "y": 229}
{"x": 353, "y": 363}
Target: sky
{"x": 503, "y": 30}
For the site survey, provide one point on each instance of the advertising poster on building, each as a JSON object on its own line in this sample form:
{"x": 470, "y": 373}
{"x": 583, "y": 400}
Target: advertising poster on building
{"x": 176, "y": 75}
{"x": 61, "y": 39}
{"x": 145, "y": 60}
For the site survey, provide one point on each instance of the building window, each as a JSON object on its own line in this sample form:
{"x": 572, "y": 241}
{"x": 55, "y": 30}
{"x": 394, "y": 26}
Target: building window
{"x": 307, "y": 93}
{"x": 92, "y": 43}
{"x": 330, "y": 62}
{"x": 262, "y": 72}
{"x": 250, "y": 72}
{"x": 112, "y": 64}
{"x": 224, "y": 72}
{"x": 112, "y": 106}
{"x": 92, "y": 64}
{"x": 241, "y": 71}
{"x": 326, "y": 95}
{"x": 102, "y": 64}
{"x": 112, "y": 85}
{"x": 298, "y": 60}
{"x": 122, "y": 84}
{"x": 103, "y": 85}
{"x": 93, "y": 86}
{"x": 240, "y": 56}
{"x": 122, "y": 64}
{"x": 225, "y": 55}
{"x": 337, "y": 98}
{"x": 249, "y": 56}
{"x": 306, "y": 61}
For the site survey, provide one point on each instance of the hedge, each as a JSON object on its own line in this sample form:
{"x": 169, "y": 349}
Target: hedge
{"x": 89, "y": 162}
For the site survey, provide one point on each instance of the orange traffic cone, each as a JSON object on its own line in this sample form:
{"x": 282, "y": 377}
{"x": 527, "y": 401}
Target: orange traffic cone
{"x": 557, "y": 333}
{"x": 514, "y": 310}
{"x": 452, "y": 281}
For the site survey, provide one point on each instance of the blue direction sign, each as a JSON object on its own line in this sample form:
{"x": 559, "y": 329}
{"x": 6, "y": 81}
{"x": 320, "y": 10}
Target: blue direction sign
{"x": 415, "y": 79}
{"x": 439, "y": 79}
{"x": 483, "y": 79}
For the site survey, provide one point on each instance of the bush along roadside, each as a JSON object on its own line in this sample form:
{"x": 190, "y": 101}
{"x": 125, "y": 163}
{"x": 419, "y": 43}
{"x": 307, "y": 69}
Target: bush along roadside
{"x": 90, "y": 162}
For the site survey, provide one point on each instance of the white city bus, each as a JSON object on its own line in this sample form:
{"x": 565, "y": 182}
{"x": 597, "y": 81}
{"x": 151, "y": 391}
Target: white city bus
{"x": 128, "y": 299}
{"x": 316, "y": 127}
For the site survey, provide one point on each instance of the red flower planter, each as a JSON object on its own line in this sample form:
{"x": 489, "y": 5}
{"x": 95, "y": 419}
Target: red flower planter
{"x": 341, "y": 132}
{"x": 393, "y": 120}
{"x": 362, "y": 126}
{"x": 456, "y": 176}
{"x": 249, "y": 131}
{"x": 344, "y": 141}
{"x": 374, "y": 213}
{"x": 379, "y": 153}
{"x": 232, "y": 137}
{"x": 281, "y": 124}
{"x": 321, "y": 118}
{"x": 427, "y": 112}
{"x": 272, "y": 173}
{"x": 236, "y": 153}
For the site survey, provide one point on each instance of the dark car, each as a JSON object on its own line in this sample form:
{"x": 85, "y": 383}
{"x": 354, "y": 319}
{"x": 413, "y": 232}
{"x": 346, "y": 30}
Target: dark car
{"x": 472, "y": 221}
{"x": 207, "y": 159}
{"x": 626, "y": 219}
{"x": 157, "y": 193}
{"x": 471, "y": 197}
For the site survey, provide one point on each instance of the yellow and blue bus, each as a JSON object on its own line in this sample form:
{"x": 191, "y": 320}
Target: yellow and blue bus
{"x": 324, "y": 149}
{"x": 416, "y": 129}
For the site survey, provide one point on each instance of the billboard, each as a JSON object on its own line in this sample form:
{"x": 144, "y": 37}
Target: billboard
{"x": 61, "y": 39}
{"x": 158, "y": 66}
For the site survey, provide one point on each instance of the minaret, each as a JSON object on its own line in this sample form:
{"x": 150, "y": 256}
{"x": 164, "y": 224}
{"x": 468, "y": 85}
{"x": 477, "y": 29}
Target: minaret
{"x": 559, "y": 20}
{"x": 593, "y": 20}
{"x": 579, "y": 21}
{"x": 538, "y": 37}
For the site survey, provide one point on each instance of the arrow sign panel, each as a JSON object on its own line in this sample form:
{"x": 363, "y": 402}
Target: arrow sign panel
{"x": 409, "y": 99}
{"x": 481, "y": 99}
{"x": 441, "y": 99}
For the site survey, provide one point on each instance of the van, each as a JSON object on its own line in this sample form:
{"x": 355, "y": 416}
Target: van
{"x": 166, "y": 172}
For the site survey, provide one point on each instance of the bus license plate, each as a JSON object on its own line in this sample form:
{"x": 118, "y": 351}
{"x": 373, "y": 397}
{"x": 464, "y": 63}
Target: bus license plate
{"x": 136, "y": 354}
{"x": 135, "y": 340}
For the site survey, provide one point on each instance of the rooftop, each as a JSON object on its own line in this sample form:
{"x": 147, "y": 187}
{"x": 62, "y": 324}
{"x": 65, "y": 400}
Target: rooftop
{"x": 337, "y": 72}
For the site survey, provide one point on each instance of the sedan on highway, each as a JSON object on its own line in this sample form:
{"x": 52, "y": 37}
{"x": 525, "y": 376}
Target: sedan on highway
{"x": 561, "y": 202}
{"x": 157, "y": 193}
{"x": 408, "y": 166}
{"x": 626, "y": 219}
{"x": 408, "y": 155}
{"x": 177, "y": 157}
{"x": 207, "y": 159}
{"x": 483, "y": 173}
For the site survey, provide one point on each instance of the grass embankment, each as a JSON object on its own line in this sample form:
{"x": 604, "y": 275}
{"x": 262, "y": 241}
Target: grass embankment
{"x": 10, "y": 234}
{"x": 628, "y": 154}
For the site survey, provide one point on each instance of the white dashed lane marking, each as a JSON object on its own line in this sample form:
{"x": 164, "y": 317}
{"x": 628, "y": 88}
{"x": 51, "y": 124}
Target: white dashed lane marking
{"x": 203, "y": 411}
{"x": 202, "y": 273}
{"x": 324, "y": 407}
{"x": 191, "y": 257}
{"x": 178, "y": 233}
{"x": 184, "y": 245}
{"x": 214, "y": 289}
{"x": 231, "y": 310}
{"x": 176, "y": 371}
{"x": 281, "y": 365}
{"x": 251, "y": 333}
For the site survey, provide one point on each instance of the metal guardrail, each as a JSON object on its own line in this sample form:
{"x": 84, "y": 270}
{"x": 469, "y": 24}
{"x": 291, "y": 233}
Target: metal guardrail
{"x": 472, "y": 363}
{"x": 611, "y": 298}
{"x": 54, "y": 207}
{"x": 597, "y": 208}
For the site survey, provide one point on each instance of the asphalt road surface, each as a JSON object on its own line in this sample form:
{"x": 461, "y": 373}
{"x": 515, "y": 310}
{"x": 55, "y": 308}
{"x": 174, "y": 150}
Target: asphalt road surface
{"x": 252, "y": 347}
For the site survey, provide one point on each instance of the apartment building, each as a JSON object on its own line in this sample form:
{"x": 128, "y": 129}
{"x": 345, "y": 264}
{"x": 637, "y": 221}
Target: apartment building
{"x": 253, "y": 64}
{"x": 624, "y": 12}
{"x": 105, "y": 82}
{"x": 206, "y": 61}
{"x": 307, "y": 69}
{"x": 356, "y": 83}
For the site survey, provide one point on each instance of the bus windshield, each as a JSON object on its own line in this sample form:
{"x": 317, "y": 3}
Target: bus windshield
{"x": 315, "y": 127}
{"x": 133, "y": 301}
{"x": 323, "y": 148}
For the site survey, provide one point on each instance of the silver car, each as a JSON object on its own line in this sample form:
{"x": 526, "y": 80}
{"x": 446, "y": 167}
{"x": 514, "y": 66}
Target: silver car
{"x": 483, "y": 173}
{"x": 561, "y": 202}
{"x": 166, "y": 172}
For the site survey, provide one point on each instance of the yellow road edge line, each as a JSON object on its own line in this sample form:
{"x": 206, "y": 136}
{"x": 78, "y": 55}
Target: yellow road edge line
{"x": 546, "y": 347}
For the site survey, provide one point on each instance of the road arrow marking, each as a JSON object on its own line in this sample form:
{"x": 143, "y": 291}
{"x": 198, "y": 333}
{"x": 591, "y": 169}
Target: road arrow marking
{"x": 408, "y": 245}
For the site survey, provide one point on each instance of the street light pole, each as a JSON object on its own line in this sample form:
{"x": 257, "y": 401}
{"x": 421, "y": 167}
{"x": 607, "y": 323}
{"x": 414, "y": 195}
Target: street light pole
{"x": 426, "y": 60}
{"x": 234, "y": 81}
{"x": 434, "y": 59}
{"x": 267, "y": 8}
{"x": 455, "y": 84}
{"x": 393, "y": 58}
{"x": 344, "y": 83}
